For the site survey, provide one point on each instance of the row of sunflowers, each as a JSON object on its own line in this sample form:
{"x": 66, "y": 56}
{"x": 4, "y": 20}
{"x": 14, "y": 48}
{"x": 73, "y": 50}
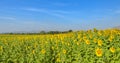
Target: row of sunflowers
{"x": 91, "y": 46}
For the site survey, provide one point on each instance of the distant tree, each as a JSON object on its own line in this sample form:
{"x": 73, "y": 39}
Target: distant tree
{"x": 69, "y": 30}
{"x": 42, "y": 32}
{"x": 50, "y": 32}
{"x": 95, "y": 30}
{"x": 11, "y": 33}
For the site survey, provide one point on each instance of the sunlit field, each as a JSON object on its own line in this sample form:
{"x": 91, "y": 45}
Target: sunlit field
{"x": 92, "y": 46}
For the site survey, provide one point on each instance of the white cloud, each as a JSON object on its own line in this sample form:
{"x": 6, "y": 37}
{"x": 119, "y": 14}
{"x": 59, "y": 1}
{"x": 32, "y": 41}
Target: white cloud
{"x": 61, "y": 11}
{"x": 117, "y": 11}
{"x": 58, "y": 13}
{"x": 60, "y": 4}
{"x": 35, "y": 9}
{"x": 8, "y": 18}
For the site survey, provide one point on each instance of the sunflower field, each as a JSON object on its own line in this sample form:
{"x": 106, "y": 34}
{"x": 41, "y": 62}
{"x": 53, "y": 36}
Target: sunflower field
{"x": 91, "y": 46}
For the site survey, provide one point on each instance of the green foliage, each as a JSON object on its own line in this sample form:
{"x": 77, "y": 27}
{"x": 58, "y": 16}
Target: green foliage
{"x": 76, "y": 47}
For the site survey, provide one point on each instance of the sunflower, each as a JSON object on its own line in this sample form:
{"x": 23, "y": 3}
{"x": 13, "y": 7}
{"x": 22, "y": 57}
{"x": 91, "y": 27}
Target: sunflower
{"x": 58, "y": 60}
{"x": 100, "y": 42}
{"x": 43, "y": 51}
{"x": 112, "y": 49}
{"x": 87, "y": 42}
{"x": 98, "y": 52}
{"x": 64, "y": 51}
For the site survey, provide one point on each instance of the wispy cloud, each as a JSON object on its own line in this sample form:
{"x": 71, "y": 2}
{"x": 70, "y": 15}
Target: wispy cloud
{"x": 35, "y": 9}
{"x": 62, "y": 12}
{"x": 108, "y": 11}
{"x": 60, "y": 4}
{"x": 8, "y": 18}
{"x": 117, "y": 11}
{"x": 58, "y": 13}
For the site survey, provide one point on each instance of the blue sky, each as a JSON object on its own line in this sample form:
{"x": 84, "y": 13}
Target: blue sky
{"x": 37, "y": 15}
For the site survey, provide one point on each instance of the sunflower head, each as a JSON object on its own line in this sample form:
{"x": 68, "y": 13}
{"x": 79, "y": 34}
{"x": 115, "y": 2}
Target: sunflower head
{"x": 87, "y": 42}
{"x": 98, "y": 52}
{"x": 112, "y": 49}
{"x": 100, "y": 42}
{"x": 64, "y": 51}
{"x": 43, "y": 51}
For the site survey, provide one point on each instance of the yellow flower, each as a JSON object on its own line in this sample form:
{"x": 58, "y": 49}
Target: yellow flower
{"x": 87, "y": 42}
{"x": 58, "y": 54}
{"x": 98, "y": 52}
{"x": 84, "y": 38}
{"x": 100, "y": 42}
{"x": 52, "y": 48}
{"x": 111, "y": 38}
{"x": 112, "y": 49}
{"x": 33, "y": 51}
{"x": 35, "y": 45}
{"x": 95, "y": 40}
{"x": 91, "y": 36}
{"x": 68, "y": 44}
{"x": 58, "y": 60}
{"x": 78, "y": 43}
{"x": 99, "y": 33}
{"x": 1, "y": 48}
{"x": 43, "y": 51}
{"x": 64, "y": 51}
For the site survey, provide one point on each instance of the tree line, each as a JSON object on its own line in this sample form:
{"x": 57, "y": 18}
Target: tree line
{"x": 41, "y": 32}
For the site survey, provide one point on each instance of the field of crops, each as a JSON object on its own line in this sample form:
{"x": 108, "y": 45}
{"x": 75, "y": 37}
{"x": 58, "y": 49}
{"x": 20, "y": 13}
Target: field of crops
{"x": 92, "y": 46}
